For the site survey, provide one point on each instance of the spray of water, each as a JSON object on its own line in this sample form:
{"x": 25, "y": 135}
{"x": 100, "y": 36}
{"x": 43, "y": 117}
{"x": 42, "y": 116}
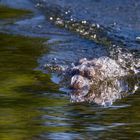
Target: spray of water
{"x": 101, "y": 80}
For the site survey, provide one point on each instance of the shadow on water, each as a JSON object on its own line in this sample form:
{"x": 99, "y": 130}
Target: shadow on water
{"x": 32, "y": 106}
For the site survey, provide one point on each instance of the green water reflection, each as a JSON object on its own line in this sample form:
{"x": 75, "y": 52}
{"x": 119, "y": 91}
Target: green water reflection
{"x": 20, "y": 86}
{"x": 6, "y": 12}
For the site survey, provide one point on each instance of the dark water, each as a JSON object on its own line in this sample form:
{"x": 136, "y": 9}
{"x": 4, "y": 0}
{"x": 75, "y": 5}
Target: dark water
{"x": 33, "y": 105}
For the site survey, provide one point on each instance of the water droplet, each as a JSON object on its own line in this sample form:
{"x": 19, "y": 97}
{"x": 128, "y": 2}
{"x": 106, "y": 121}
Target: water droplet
{"x": 84, "y": 21}
{"x": 98, "y": 26}
{"x": 138, "y": 38}
{"x": 51, "y": 18}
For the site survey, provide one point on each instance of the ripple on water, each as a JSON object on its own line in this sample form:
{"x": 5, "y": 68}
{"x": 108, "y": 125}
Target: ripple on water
{"x": 49, "y": 115}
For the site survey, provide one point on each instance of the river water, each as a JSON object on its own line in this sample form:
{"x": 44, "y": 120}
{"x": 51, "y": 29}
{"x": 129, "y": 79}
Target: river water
{"x": 33, "y": 105}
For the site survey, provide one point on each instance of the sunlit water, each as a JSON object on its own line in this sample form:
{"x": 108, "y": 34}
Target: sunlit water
{"x": 33, "y": 104}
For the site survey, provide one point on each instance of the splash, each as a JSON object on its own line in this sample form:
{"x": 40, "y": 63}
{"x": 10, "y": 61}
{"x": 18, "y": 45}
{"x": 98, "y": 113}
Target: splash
{"x": 100, "y": 80}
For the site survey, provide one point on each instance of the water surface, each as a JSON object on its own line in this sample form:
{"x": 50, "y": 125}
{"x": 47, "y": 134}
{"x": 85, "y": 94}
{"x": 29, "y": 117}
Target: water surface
{"x": 32, "y": 105}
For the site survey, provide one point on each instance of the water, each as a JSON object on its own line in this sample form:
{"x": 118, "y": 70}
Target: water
{"x": 33, "y": 104}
